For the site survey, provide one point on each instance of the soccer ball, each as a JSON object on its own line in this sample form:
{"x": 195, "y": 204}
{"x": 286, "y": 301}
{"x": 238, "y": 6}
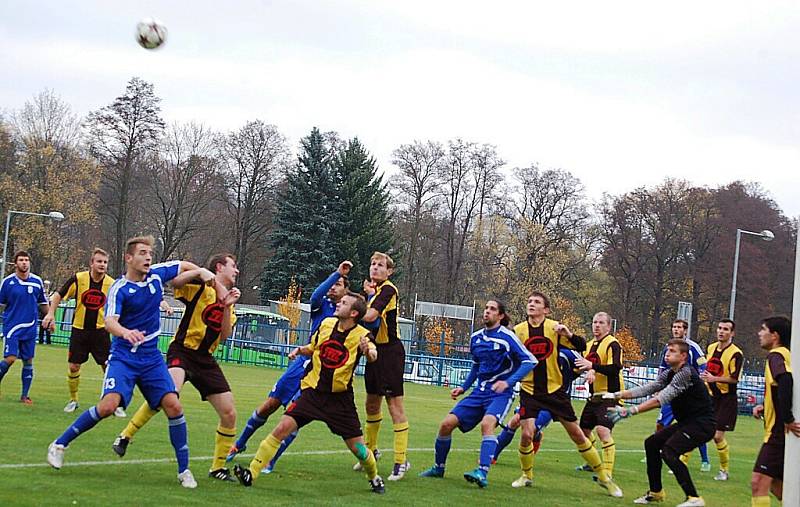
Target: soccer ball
{"x": 150, "y": 33}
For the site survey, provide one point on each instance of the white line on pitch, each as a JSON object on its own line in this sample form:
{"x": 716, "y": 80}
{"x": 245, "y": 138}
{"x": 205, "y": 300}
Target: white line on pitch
{"x": 209, "y": 458}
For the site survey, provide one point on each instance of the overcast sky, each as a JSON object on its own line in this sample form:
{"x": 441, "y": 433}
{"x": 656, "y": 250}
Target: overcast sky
{"x": 622, "y": 94}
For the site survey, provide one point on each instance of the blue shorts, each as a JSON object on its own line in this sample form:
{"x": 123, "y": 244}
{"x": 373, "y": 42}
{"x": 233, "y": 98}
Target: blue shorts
{"x": 471, "y": 409}
{"x": 665, "y": 417}
{"x": 21, "y": 347}
{"x": 149, "y": 373}
{"x": 287, "y": 388}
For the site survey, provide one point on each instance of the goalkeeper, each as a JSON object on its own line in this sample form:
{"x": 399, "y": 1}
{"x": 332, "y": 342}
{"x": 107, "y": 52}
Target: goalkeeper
{"x": 681, "y": 386}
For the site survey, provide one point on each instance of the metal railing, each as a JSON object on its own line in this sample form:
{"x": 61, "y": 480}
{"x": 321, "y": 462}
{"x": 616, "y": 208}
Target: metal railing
{"x": 267, "y": 345}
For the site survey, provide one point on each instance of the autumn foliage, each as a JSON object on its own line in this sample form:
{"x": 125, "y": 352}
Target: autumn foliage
{"x": 289, "y": 307}
{"x": 433, "y": 336}
{"x": 631, "y": 348}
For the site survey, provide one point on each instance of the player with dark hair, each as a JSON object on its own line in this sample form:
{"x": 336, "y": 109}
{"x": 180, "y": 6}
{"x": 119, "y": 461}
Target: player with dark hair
{"x": 774, "y": 336}
{"x": 682, "y": 387}
{"x": 88, "y": 336}
{"x": 327, "y": 390}
{"x": 287, "y": 388}
{"x": 207, "y": 321}
{"x": 22, "y": 295}
{"x": 133, "y": 318}
{"x": 499, "y": 361}
{"x": 724, "y": 362}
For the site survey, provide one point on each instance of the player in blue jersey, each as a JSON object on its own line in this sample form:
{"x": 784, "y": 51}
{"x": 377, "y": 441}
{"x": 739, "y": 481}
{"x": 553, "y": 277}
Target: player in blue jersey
{"x": 499, "y": 361}
{"x": 566, "y": 363}
{"x": 287, "y": 389}
{"x": 697, "y": 358}
{"x": 23, "y": 295}
{"x": 133, "y": 318}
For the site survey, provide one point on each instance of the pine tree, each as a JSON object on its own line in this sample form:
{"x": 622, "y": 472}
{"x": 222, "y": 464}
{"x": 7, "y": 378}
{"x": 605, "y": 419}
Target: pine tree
{"x": 365, "y": 204}
{"x": 307, "y": 222}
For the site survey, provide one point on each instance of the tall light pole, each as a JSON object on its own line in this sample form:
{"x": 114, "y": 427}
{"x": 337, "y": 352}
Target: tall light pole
{"x": 766, "y": 236}
{"x": 55, "y": 215}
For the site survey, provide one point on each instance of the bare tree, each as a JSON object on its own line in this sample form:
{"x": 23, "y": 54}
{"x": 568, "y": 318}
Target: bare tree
{"x": 256, "y": 159}
{"x": 47, "y": 121}
{"x": 119, "y": 136}
{"x": 183, "y": 180}
{"x": 418, "y": 163}
{"x": 486, "y": 174}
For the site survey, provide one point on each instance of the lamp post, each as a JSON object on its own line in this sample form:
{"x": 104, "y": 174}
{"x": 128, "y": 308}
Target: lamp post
{"x": 55, "y": 215}
{"x": 766, "y": 236}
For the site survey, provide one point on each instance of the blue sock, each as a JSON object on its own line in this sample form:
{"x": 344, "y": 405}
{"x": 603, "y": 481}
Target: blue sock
{"x": 82, "y": 424}
{"x": 488, "y": 445}
{"x": 255, "y": 422}
{"x": 284, "y": 445}
{"x": 543, "y": 419}
{"x": 27, "y": 379}
{"x": 179, "y": 439}
{"x": 704, "y": 453}
{"x": 4, "y": 366}
{"x": 505, "y": 438}
{"x": 442, "y": 449}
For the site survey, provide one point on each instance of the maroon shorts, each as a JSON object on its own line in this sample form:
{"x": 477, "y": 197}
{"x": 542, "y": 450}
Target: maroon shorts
{"x": 726, "y": 408}
{"x": 384, "y": 376}
{"x": 337, "y": 410}
{"x": 83, "y": 342}
{"x": 557, "y": 403}
{"x": 770, "y": 460}
{"x": 202, "y": 370}
{"x": 596, "y": 414}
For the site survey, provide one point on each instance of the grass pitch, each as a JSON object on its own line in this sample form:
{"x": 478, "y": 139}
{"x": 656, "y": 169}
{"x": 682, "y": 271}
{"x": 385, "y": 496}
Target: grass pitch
{"x": 317, "y": 469}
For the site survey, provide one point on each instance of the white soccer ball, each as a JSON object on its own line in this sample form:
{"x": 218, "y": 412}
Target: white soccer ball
{"x": 150, "y": 33}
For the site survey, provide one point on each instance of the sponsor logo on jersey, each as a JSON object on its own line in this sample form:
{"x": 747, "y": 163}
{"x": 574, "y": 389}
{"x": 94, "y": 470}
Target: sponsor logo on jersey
{"x": 212, "y": 316}
{"x": 714, "y": 366}
{"x": 333, "y": 354}
{"x": 93, "y": 299}
{"x": 540, "y": 347}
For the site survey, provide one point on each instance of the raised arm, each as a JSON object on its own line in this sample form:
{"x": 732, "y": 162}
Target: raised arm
{"x": 317, "y": 297}
{"x": 186, "y": 276}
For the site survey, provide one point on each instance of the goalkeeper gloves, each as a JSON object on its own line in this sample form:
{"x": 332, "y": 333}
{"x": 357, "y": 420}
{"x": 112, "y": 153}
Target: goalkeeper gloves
{"x": 616, "y": 414}
{"x": 606, "y": 396}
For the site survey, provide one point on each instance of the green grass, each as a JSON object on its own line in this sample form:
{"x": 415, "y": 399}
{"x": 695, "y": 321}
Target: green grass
{"x": 317, "y": 468}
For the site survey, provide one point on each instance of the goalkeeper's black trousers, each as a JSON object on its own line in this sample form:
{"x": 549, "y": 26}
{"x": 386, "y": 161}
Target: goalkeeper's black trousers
{"x": 668, "y": 444}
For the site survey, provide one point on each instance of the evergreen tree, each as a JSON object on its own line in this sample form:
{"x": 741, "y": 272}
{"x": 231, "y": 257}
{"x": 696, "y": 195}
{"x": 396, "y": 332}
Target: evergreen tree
{"x": 365, "y": 204}
{"x": 304, "y": 239}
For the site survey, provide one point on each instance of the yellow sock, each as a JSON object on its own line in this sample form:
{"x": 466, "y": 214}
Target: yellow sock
{"x": 592, "y": 438}
{"x": 139, "y": 419}
{"x": 685, "y": 458}
{"x": 266, "y": 451}
{"x": 371, "y": 430}
{"x": 759, "y": 501}
{"x": 73, "y": 381}
{"x": 609, "y": 455}
{"x": 724, "y": 454}
{"x": 591, "y": 456}
{"x": 400, "y": 442}
{"x": 369, "y": 465}
{"x": 526, "y": 460}
{"x": 222, "y": 443}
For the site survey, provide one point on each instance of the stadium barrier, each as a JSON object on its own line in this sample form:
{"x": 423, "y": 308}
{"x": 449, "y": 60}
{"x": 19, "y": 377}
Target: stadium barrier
{"x": 267, "y": 345}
